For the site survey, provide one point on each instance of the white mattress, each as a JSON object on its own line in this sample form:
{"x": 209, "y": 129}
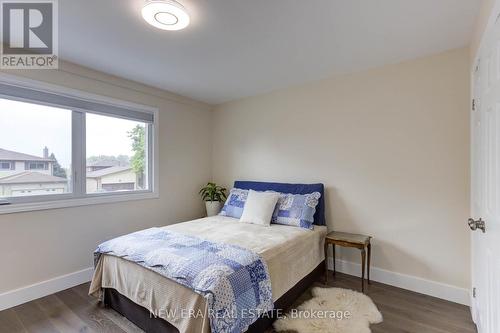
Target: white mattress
{"x": 290, "y": 253}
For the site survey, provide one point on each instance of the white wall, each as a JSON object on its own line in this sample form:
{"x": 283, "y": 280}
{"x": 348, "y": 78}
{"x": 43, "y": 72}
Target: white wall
{"x": 40, "y": 245}
{"x": 390, "y": 144}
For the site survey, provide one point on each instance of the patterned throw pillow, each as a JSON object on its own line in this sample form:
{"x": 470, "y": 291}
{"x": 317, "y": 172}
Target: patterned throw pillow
{"x": 234, "y": 203}
{"x": 296, "y": 209}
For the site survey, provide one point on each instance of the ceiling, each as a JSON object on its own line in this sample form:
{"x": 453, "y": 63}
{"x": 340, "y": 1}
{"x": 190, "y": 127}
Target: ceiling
{"x": 239, "y": 48}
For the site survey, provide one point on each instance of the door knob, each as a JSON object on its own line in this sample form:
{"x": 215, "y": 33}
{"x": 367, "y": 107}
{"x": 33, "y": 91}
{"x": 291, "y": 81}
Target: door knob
{"x": 476, "y": 224}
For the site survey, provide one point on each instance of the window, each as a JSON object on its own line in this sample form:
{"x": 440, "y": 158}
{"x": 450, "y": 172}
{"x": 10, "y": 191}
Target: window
{"x": 27, "y": 130}
{"x": 69, "y": 148}
{"x": 4, "y": 165}
{"x": 36, "y": 166}
{"x": 116, "y": 150}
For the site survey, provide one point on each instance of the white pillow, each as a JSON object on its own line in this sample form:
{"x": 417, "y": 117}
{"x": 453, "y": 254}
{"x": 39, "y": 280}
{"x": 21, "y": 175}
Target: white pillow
{"x": 259, "y": 207}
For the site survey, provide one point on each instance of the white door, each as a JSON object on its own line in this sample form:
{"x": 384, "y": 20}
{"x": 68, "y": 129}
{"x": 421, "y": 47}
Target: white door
{"x": 485, "y": 194}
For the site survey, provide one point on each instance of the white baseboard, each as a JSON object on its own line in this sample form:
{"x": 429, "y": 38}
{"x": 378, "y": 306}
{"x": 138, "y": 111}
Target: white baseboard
{"x": 25, "y": 294}
{"x": 413, "y": 283}
{"x": 441, "y": 290}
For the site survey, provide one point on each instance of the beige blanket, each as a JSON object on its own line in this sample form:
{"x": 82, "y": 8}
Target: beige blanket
{"x": 290, "y": 253}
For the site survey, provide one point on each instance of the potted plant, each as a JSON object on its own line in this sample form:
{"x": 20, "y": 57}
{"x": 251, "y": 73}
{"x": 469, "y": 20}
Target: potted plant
{"x": 214, "y": 196}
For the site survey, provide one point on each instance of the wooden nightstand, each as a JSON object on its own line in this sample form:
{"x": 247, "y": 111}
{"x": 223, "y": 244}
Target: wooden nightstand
{"x": 350, "y": 240}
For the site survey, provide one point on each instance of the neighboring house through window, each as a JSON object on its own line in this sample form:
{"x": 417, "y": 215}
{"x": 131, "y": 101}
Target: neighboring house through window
{"x": 113, "y": 178}
{"x": 18, "y": 179}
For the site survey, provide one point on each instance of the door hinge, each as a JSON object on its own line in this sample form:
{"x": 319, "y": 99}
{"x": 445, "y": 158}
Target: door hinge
{"x": 473, "y": 104}
{"x": 474, "y": 292}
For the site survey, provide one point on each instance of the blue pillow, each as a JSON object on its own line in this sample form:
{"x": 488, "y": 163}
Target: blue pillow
{"x": 234, "y": 203}
{"x": 296, "y": 209}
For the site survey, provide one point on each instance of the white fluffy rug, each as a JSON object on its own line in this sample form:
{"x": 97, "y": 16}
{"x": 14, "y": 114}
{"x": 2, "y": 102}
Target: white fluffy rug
{"x": 334, "y": 310}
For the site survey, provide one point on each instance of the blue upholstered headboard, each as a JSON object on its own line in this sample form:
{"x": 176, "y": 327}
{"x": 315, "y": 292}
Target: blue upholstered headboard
{"x": 319, "y": 216}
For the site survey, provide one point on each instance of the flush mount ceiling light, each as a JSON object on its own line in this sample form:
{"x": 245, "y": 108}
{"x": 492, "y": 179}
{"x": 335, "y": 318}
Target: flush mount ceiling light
{"x": 165, "y": 14}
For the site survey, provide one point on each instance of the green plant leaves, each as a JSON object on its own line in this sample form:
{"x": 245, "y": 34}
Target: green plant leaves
{"x": 213, "y": 192}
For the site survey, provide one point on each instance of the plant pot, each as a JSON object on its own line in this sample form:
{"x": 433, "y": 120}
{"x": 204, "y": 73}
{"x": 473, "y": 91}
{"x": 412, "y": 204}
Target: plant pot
{"x": 213, "y": 207}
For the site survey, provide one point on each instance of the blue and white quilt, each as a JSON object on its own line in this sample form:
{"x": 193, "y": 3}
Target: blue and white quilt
{"x": 234, "y": 280}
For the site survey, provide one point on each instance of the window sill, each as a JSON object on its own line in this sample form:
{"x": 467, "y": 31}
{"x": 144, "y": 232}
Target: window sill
{"x": 97, "y": 199}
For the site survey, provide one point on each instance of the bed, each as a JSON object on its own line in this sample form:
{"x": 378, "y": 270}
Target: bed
{"x": 294, "y": 257}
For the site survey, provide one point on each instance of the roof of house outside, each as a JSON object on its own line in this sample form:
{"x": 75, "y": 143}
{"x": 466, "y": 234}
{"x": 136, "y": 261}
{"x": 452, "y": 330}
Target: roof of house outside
{"x": 9, "y": 155}
{"x": 108, "y": 161}
{"x": 100, "y": 165}
{"x": 107, "y": 171}
{"x": 31, "y": 177}
{"x": 107, "y": 164}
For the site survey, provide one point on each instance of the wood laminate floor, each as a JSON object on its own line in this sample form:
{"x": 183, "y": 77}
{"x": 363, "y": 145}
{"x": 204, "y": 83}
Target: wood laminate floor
{"x": 73, "y": 310}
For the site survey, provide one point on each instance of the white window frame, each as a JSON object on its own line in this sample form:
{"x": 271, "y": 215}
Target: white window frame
{"x": 78, "y": 195}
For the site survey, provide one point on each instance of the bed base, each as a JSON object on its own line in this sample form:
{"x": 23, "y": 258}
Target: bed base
{"x": 141, "y": 317}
